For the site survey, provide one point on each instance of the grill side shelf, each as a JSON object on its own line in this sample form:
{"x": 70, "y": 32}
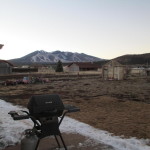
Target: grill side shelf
{"x": 71, "y": 108}
{"x": 16, "y": 116}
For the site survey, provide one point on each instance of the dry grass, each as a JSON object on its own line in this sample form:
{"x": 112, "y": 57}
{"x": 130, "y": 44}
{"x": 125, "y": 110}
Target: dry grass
{"x": 120, "y": 107}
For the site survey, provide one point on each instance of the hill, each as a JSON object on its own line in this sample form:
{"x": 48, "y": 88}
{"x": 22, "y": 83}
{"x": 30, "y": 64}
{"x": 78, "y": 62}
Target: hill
{"x": 140, "y": 59}
{"x": 135, "y": 60}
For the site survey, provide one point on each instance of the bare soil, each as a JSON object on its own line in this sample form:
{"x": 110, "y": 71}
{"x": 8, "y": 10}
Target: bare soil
{"x": 119, "y": 107}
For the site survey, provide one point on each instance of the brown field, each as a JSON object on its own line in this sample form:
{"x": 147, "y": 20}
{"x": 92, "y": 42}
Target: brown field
{"x": 119, "y": 107}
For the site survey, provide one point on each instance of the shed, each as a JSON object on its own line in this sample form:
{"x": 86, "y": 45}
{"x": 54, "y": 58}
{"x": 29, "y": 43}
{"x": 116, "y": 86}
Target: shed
{"x": 113, "y": 70}
{"x": 5, "y": 67}
{"x": 82, "y": 66}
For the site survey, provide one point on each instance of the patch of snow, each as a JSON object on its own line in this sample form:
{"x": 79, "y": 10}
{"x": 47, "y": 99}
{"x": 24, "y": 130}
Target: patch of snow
{"x": 63, "y": 56}
{"x": 11, "y": 131}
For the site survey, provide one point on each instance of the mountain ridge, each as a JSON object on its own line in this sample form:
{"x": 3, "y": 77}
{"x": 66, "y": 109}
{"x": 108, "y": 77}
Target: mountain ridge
{"x": 41, "y": 56}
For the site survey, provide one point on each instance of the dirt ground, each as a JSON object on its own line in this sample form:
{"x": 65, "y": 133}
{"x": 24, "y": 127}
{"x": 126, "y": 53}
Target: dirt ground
{"x": 119, "y": 107}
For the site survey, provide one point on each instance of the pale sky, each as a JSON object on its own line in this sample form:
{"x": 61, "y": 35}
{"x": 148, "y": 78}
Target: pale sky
{"x": 101, "y": 28}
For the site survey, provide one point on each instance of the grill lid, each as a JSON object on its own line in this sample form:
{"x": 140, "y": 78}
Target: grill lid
{"x": 45, "y": 105}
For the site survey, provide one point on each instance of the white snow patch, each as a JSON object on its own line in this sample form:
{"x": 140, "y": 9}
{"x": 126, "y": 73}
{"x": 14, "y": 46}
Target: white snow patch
{"x": 11, "y": 131}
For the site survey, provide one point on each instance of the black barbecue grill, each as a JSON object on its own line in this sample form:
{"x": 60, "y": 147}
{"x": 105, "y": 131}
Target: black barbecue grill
{"x": 47, "y": 113}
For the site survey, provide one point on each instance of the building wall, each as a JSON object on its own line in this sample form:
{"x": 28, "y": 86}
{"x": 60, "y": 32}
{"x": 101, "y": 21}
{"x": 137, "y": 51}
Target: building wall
{"x": 5, "y": 68}
{"x": 138, "y": 71}
{"x": 46, "y": 69}
{"x": 119, "y": 73}
{"x": 113, "y": 72}
{"x": 73, "y": 67}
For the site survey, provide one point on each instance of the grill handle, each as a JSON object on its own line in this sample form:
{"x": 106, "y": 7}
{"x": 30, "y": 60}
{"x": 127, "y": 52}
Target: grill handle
{"x": 71, "y": 108}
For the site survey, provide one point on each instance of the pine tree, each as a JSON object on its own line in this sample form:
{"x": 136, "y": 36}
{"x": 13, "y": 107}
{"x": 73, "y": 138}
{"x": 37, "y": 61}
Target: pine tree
{"x": 59, "y": 67}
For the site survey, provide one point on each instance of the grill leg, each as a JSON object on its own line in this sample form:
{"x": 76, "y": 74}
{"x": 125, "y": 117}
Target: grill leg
{"x": 57, "y": 141}
{"x": 37, "y": 144}
{"x": 62, "y": 141}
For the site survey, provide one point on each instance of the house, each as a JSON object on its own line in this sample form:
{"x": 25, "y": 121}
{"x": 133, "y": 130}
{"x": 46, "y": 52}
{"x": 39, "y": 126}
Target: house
{"x": 81, "y": 66}
{"x": 5, "y": 67}
{"x": 113, "y": 70}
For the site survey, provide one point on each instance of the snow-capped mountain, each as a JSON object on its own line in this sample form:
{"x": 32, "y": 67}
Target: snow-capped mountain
{"x": 41, "y": 56}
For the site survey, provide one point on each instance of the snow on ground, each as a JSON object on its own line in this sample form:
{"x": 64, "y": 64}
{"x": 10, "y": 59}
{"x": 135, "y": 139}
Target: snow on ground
{"x": 11, "y": 131}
